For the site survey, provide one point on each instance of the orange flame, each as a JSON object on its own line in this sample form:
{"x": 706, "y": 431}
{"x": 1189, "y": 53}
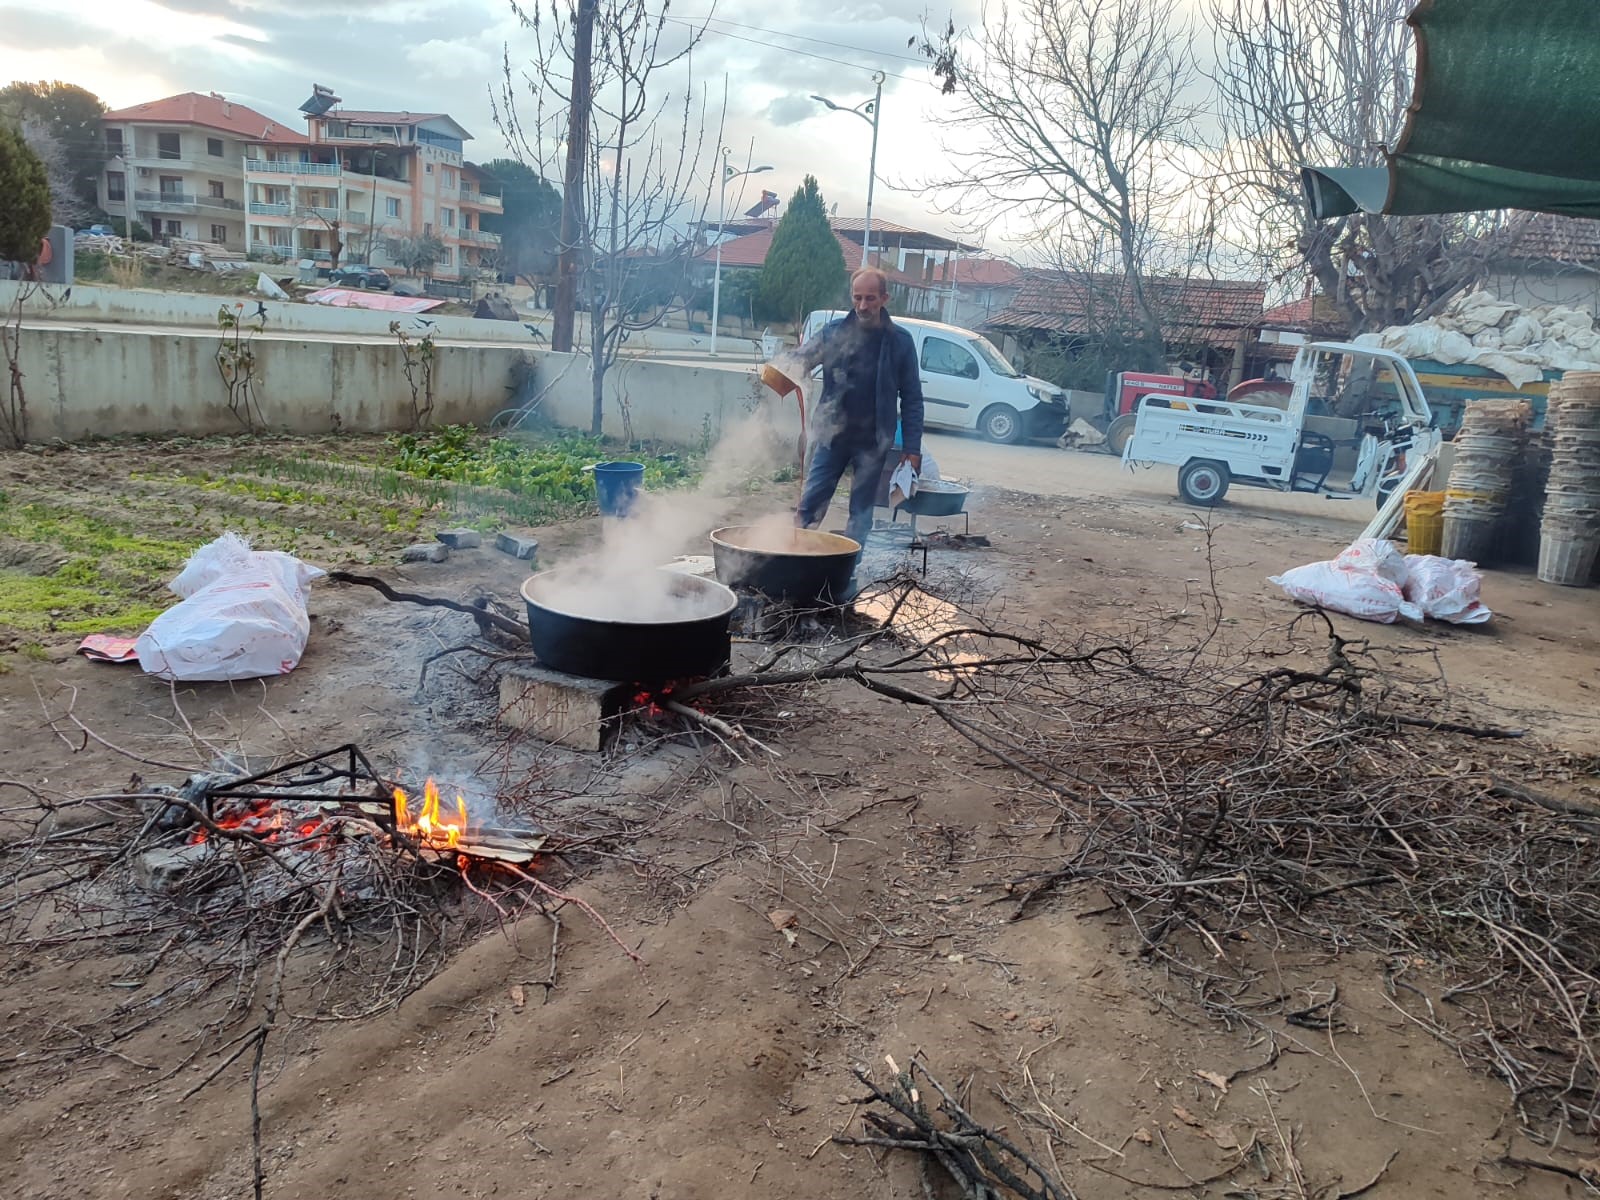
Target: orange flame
{"x": 429, "y": 827}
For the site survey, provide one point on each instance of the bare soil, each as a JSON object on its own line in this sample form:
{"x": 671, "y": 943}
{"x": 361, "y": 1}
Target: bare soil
{"x": 721, "y": 1067}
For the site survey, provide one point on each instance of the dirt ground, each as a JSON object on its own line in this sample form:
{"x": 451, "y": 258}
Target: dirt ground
{"x": 720, "y": 1067}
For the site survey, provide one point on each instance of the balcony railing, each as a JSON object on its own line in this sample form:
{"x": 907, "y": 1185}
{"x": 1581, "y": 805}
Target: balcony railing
{"x": 481, "y": 236}
{"x": 479, "y": 199}
{"x": 272, "y": 250}
{"x": 262, "y": 166}
{"x": 165, "y": 200}
{"x": 311, "y": 210}
{"x": 258, "y": 209}
{"x": 221, "y": 202}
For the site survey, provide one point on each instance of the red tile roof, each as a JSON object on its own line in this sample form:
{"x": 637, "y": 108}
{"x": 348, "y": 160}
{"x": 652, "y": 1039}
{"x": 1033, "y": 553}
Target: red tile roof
{"x": 211, "y": 111}
{"x": 987, "y": 273}
{"x": 1066, "y": 302}
{"x": 1314, "y": 315}
{"x": 751, "y": 251}
{"x": 1551, "y": 239}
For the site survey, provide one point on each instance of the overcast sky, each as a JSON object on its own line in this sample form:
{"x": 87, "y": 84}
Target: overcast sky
{"x": 420, "y": 56}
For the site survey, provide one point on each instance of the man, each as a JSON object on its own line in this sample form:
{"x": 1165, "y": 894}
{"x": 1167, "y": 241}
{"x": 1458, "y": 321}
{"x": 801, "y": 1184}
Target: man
{"x": 869, "y": 370}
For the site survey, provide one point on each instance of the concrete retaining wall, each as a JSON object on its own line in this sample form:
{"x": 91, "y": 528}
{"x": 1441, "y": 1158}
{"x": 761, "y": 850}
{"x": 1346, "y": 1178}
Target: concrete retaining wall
{"x": 84, "y": 383}
{"x": 142, "y": 306}
{"x": 660, "y": 401}
{"x": 87, "y": 383}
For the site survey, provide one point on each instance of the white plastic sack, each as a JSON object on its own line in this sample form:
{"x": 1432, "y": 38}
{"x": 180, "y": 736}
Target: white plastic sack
{"x": 1372, "y": 580}
{"x": 1377, "y": 555}
{"x": 1350, "y": 590}
{"x": 243, "y": 615}
{"x": 1445, "y": 589}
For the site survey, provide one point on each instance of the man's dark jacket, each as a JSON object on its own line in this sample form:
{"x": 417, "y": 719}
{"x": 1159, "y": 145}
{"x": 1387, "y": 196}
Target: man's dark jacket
{"x": 899, "y": 393}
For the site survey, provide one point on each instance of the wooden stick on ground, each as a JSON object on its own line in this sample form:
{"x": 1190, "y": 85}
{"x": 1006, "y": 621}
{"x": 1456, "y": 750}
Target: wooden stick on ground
{"x": 482, "y": 615}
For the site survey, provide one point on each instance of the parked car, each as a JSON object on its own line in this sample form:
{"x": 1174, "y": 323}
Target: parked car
{"x": 374, "y": 278}
{"x": 968, "y": 384}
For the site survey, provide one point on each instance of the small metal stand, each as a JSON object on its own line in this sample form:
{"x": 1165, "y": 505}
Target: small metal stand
{"x": 914, "y": 540}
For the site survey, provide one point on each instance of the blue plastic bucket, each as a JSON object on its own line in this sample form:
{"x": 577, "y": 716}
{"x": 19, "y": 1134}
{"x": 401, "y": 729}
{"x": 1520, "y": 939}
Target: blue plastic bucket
{"x": 616, "y": 484}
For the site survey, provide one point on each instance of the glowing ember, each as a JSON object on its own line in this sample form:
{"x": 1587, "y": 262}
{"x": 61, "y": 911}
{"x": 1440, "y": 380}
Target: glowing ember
{"x": 430, "y": 827}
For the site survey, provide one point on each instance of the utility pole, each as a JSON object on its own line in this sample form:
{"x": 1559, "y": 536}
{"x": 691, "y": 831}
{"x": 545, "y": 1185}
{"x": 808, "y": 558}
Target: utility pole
{"x": 573, "y": 243}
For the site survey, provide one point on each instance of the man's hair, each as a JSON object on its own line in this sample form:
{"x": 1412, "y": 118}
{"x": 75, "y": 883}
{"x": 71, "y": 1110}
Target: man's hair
{"x": 870, "y": 273}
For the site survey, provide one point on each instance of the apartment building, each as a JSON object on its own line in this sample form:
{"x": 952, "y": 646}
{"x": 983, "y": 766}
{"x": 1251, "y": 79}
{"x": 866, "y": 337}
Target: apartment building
{"x": 177, "y": 165}
{"x": 363, "y": 177}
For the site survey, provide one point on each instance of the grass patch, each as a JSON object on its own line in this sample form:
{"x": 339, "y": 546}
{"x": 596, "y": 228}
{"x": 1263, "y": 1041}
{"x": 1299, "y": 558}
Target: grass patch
{"x": 111, "y": 578}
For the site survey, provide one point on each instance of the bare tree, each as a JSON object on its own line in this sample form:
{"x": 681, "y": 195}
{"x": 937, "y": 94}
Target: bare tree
{"x": 1072, "y": 119}
{"x": 66, "y": 206}
{"x": 646, "y": 173}
{"x": 1326, "y": 83}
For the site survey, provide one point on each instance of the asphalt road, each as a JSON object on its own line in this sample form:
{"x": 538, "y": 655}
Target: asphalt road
{"x": 1045, "y": 470}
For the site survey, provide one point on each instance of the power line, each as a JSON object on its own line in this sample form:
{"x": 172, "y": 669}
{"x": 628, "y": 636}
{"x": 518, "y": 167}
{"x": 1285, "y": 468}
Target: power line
{"x": 838, "y": 62}
{"x": 804, "y": 38}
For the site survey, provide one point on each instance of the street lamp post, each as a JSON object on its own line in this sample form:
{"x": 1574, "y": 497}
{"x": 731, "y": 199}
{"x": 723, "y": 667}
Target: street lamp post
{"x": 728, "y": 176}
{"x": 862, "y": 110}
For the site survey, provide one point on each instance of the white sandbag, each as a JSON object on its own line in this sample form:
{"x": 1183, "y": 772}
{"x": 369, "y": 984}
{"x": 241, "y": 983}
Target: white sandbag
{"x": 1357, "y": 593}
{"x": 1445, "y": 589}
{"x": 243, "y": 615}
{"x": 1453, "y": 347}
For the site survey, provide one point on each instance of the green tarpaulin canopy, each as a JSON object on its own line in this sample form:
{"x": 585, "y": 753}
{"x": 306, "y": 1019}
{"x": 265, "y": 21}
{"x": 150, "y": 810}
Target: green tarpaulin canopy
{"x": 1506, "y": 114}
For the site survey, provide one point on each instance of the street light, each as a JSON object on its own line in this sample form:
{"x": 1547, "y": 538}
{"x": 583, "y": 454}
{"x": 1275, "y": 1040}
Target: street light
{"x": 862, "y": 110}
{"x": 728, "y": 175}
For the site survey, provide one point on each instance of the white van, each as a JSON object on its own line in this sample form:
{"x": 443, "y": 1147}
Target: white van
{"x": 968, "y": 384}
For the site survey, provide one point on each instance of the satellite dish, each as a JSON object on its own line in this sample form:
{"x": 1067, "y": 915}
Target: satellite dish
{"x": 322, "y": 99}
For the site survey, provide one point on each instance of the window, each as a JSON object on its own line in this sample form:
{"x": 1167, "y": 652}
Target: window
{"x": 354, "y": 200}
{"x": 445, "y": 257}
{"x": 449, "y": 178}
{"x": 172, "y": 185}
{"x": 115, "y": 183}
{"x": 391, "y": 207}
{"x": 428, "y": 168}
{"x": 214, "y": 188}
{"x": 447, "y": 217}
{"x": 942, "y": 357}
{"x": 219, "y": 234}
{"x": 113, "y": 142}
{"x": 214, "y": 147}
{"x": 168, "y": 146}
{"x": 427, "y": 229}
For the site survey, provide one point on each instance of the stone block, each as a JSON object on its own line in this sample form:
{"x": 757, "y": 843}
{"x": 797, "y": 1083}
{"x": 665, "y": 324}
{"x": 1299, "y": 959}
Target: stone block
{"x": 460, "y": 539}
{"x": 565, "y": 709}
{"x": 163, "y": 869}
{"x": 516, "y": 546}
{"x": 433, "y": 552}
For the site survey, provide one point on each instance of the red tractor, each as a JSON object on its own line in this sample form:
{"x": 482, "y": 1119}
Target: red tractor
{"x": 1127, "y": 390}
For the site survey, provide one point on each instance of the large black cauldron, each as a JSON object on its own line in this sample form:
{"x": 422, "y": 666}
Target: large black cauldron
{"x": 795, "y": 566}
{"x": 667, "y": 626}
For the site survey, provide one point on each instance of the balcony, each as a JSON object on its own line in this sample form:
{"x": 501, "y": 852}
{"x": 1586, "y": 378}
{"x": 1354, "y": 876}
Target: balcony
{"x": 165, "y": 201}
{"x": 271, "y": 250}
{"x": 481, "y": 236}
{"x": 258, "y": 209}
{"x": 261, "y": 166}
{"x": 473, "y": 198}
{"x": 221, "y": 202}
{"x": 311, "y": 210}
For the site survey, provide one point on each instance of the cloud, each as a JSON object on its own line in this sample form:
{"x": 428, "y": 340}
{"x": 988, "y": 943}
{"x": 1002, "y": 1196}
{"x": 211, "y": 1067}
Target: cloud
{"x": 790, "y": 110}
{"x": 439, "y": 59}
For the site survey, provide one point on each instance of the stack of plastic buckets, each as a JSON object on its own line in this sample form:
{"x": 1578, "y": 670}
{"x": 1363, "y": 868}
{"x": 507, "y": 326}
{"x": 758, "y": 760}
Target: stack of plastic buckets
{"x": 1569, "y": 533}
{"x": 1487, "y": 449}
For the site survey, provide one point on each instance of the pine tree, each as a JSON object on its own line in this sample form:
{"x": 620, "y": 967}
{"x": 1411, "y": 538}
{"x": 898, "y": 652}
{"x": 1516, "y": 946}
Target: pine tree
{"x": 805, "y": 267}
{"x": 24, "y": 198}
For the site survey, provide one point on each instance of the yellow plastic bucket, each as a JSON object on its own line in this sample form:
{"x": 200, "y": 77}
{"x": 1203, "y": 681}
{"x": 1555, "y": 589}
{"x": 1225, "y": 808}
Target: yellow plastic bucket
{"x": 1424, "y": 522}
